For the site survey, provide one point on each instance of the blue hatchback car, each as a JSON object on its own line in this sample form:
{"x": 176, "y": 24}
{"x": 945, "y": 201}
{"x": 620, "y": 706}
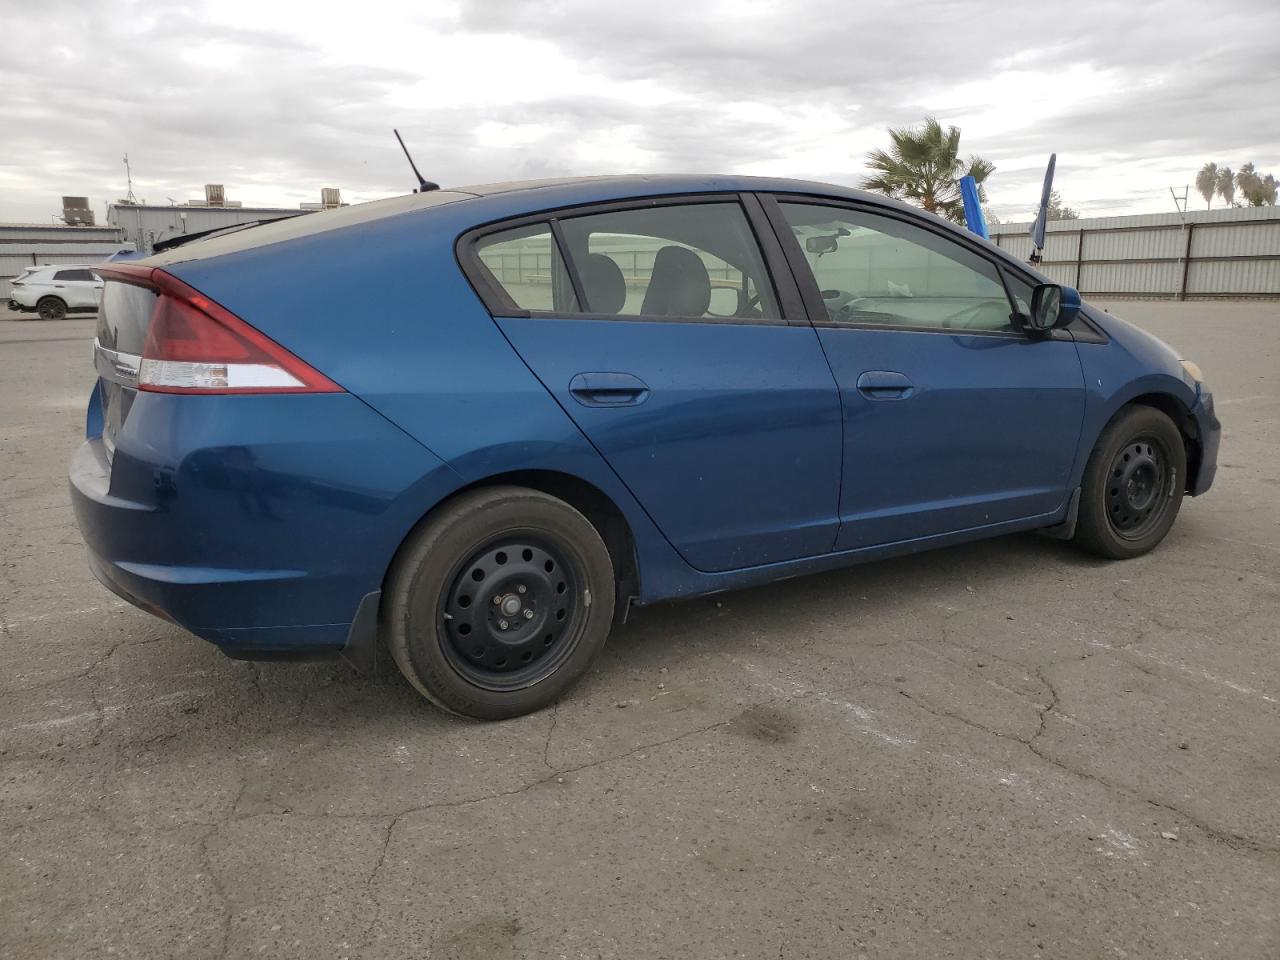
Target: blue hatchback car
{"x": 476, "y": 425}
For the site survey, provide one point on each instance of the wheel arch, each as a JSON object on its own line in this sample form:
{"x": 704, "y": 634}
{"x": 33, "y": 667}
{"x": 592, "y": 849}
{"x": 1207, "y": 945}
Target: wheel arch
{"x": 1176, "y": 410}
{"x": 585, "y": 497}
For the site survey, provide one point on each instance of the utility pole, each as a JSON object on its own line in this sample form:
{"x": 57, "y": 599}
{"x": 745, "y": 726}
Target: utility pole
{"x": 1184, "y": 261}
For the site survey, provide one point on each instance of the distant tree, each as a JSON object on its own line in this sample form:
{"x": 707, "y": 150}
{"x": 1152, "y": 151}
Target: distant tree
{"x": 1268, "y": 192}
{"x": 1207, "y": 183}
{"x": 1256, "y": 189}
{"x": 1248, "y": 182}
{"x": 989, "y": 216}
{"x": 923, "y": 165}
{"x": 1059, "y": 210}
{"x": 1226, "y": 185}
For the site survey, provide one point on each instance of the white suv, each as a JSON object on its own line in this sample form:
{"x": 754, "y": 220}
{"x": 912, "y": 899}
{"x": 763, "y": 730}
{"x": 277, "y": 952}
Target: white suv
{"x": 54, "y": 291}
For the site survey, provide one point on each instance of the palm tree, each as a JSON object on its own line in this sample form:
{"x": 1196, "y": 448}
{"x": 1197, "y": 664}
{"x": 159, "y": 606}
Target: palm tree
{"x": 923, "y": 166}
{"x": 1207, "y": 183}
{"x": 1226, "y": 185}
{"x": 1268, "y": 191}
{"x": 1248, "y": 182}
{"x": 1256, "y": 189}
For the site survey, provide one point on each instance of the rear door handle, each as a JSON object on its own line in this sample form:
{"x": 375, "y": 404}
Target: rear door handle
{"x": 608, "y": 389}
{"x": 885, "y": 385}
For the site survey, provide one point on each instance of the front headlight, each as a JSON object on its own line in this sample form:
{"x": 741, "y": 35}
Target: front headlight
{"x": 1192, "y": 369}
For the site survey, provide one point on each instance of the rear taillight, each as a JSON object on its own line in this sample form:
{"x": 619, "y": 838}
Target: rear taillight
{"x": 194, "y": 345}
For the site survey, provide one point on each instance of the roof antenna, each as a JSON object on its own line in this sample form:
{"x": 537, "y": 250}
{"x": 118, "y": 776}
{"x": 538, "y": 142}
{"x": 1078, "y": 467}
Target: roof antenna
{"x": 424, "y": 185}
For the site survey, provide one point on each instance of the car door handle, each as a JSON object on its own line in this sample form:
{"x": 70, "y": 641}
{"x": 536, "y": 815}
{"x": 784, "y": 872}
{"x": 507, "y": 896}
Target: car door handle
{"x": 885, "y": 385}
{"x": 608, "y": 389}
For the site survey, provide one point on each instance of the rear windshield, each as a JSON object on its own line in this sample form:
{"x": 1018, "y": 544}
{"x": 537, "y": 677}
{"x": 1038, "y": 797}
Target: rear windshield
{"x": 125, "y": 316}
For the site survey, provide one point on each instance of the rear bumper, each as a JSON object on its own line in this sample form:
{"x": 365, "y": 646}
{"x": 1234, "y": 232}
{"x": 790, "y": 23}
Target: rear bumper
{"x": 1210, "y": 430}
{"x": 265, "y": 548}
{"x": 211, "y": 602}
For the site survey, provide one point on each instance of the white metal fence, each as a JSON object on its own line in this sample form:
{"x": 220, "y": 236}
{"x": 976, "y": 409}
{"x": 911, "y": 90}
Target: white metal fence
{"x": 1212, "y": 254}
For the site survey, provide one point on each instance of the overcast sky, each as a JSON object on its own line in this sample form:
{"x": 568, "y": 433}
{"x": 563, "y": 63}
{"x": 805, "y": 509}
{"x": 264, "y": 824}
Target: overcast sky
{"x": 276, "y": 99}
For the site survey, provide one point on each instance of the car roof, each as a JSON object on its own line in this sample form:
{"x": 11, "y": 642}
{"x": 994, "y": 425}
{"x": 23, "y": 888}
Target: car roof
{"x": 603, "y": 187}
{"x": 502, "y": 200}
{"x": 524, "y": 196}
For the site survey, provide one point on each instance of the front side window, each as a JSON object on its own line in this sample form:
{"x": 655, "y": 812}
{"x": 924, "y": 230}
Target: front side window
{"x": 697, "y": 261}
{"x": 1021, "y": 292}
{"x": 526, "y": 264}
{"x": 881, "y": 271}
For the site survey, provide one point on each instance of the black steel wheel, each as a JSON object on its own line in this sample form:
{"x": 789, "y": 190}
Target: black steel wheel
{"x": 1138, "y": 484}
{"x": 1133, "y": 484}
{"x": 498, "y": 602}
{"x": 51, "y": 308}
{"x": 512, "y": 612}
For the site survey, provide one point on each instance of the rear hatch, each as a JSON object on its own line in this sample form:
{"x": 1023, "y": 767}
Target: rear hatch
{"x": 124, "y": 317}
{"x": 158, "y": 335}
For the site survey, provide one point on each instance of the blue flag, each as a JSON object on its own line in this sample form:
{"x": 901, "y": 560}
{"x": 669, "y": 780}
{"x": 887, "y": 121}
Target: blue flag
{"x": 973, "y": 217}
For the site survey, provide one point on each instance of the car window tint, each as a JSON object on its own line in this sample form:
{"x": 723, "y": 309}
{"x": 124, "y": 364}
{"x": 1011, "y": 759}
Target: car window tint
{"x": 66, "y": 275}
{"x": 876, "y": 270}
{"x": 692, "y": 261}
{"x": 526, "y": 263}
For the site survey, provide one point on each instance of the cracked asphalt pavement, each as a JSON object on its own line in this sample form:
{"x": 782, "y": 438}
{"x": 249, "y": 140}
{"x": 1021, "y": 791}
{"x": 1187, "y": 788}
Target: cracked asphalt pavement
{"x": 1006, "y": 749}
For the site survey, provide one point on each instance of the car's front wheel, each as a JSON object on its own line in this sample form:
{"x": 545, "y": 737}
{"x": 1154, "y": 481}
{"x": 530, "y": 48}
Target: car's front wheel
{"x": 1133, "y": 485}
{"x": 498, "y": 602}
{"x": 51, "y": 308}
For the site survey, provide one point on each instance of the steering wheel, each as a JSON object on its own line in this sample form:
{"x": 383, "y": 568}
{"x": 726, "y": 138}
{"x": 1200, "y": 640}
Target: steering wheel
{"x": 838, "y": 304}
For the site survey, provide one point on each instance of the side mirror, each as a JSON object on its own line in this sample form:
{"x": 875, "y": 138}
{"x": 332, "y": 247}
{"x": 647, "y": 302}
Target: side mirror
{"x": 1052, "y": 307}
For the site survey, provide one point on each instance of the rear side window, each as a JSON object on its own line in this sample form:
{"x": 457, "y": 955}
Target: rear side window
{"x": 74, "y": 275}
{"x": 526, "y": 264}
{"x": 690, "y": 261}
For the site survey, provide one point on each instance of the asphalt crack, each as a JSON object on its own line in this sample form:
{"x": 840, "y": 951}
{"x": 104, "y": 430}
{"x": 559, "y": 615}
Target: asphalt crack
{"x": 396, "y": 819}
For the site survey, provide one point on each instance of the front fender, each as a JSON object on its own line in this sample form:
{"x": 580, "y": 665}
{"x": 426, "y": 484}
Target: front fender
{"x": 1132, "y": 365}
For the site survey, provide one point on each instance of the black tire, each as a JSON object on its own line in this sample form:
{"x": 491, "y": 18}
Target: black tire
{"x": 457, "y": 627}
{"x": 1133, "y": 485}
{"x": 51, "y": 308}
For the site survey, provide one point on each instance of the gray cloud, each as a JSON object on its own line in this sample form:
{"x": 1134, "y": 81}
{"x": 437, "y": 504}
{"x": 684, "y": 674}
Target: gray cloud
{"x": 273, "y": 116}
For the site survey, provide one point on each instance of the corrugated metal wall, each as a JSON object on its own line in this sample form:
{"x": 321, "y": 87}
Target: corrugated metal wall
{"x": 1214, "y": 253}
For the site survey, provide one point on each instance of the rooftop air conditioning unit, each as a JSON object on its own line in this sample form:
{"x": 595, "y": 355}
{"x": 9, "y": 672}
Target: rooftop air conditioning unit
{"x": 330, "y": 197}
{"x": 215, "y": 195}
{"x": 76, "y": 212}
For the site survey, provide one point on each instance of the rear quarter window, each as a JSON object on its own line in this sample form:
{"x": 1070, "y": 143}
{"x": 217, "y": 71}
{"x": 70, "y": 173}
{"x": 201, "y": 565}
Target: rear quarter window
{"x": 525, "y": 263}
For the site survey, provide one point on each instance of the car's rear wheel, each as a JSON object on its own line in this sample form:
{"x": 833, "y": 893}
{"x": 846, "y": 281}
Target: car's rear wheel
{"x": 498, "y": 603}
{"x": 1133, "y": 485}
{"x": 51, "y": 308}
